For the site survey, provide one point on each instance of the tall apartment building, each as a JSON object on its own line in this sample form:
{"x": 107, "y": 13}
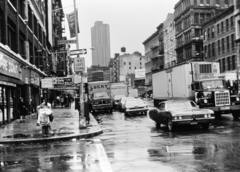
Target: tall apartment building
{"x": 151, "y": 45}
{"x": 100, "y": 35}
{"x": 28, "y": 35}
{"x": 219, "y": 40}
{"x": 188, "y": 17}
{"x": 170, "y": 58}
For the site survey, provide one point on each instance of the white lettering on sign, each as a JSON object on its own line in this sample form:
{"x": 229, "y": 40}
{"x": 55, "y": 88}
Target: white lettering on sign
{"x": 8, "y": 66}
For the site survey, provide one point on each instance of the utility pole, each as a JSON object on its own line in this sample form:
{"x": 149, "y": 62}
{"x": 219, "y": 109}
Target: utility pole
{"x": 81, "y": 97}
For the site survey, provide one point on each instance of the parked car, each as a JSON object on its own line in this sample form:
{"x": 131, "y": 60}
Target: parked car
{"x": 116, "y": 100}
{"x": 181, "y": 112}
{"x": 122, "y": 101}
{"x": 135, "y": 106}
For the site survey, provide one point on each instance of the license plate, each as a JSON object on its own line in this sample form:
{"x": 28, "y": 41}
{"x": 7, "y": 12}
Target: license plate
{"x": 225, "y": 108}
{"x": 193, "y": 123}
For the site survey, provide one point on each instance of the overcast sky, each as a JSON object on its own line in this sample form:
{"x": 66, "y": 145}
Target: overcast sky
{"x": 131, "y": 21}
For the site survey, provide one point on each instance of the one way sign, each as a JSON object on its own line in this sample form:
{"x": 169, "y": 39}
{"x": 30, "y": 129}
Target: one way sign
{"x": 78, "y": 52}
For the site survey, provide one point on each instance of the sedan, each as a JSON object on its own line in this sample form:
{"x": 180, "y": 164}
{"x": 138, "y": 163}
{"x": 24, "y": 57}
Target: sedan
{"x": 122, "y": 101}
{"x": 181, "y": 112}
{"x": 135, "y": 106}
{"x": 116, "y": 100}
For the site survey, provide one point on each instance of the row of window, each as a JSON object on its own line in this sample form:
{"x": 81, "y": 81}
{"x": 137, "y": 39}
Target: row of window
{"x": 223, "y": 45}
{"x": 130, "y": 63}
{"x": 227, "y": 64}
{"x": 210, "y": 32}
{"x": 185, "y": 4}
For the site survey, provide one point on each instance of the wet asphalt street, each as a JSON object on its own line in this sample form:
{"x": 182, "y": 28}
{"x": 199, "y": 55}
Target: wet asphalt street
{"x": 133, "y": 144}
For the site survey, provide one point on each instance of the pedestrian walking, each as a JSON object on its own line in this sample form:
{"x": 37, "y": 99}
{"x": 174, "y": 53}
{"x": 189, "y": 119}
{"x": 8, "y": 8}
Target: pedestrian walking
{"x": 62, "y": 100}
{"x": 45, "y": 118}
{"x": 22, "y": 109}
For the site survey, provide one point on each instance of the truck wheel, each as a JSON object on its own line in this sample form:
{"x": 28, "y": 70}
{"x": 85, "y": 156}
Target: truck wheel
{"x": 170, "y": 125}
{"x": 158, "y": 125}
{"x": 235, "y": 115}
{"x": 217, "y": 115}
{"x": 205, "y": 126}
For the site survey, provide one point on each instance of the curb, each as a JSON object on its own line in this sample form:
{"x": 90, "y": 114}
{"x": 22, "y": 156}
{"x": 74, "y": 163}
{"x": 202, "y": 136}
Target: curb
{"x": 51, "y": 139}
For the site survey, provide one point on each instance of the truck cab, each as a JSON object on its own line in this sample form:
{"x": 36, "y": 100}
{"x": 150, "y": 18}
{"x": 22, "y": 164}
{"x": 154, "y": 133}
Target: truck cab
{"x": 213, "y": 93}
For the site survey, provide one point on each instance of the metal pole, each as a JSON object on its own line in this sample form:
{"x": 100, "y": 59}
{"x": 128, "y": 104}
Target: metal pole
{"x": 81, "y": 106}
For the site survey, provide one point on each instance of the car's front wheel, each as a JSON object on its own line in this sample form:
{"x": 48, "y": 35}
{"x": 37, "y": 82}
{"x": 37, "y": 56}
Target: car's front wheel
{"x": 205, "y": 126}
{"x": 235, "y": 115}
{"x": 170, "y": 125}
{"x": 158, "y": 125}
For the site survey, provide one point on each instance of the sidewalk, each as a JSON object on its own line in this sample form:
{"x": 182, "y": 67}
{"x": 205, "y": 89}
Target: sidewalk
{"x": 65, "y": 126}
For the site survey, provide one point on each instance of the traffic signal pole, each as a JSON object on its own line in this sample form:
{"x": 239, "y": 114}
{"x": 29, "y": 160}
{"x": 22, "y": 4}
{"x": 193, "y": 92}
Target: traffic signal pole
{"x": 81, "y": 96}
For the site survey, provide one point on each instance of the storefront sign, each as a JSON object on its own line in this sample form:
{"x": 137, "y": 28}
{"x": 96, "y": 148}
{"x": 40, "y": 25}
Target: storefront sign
{"x": 35, "y": 78}
{"x": 47, "y": 83}
{"x": 9, "y": 66}
{"x": 63, "y": 80}
{"x": 7, "y": 83}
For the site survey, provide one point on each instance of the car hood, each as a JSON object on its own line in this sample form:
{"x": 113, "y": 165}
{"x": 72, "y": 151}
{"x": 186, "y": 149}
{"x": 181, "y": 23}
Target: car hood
{"x": 137, "y": 105}
{"x": 190, "y": 111}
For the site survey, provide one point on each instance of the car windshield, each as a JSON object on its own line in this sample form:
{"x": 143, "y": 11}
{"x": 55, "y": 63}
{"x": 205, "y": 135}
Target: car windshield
{"x": 126, "y": 98}
{"x": 181, "y": 104}
{"x": 212, "y": 84}
{"x": 134, "y": 102}
{"x": 101, "y": 95}
{"x": 118, "y": 97}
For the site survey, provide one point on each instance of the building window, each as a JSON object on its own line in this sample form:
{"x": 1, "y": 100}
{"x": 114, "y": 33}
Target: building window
{"x": 129, "y": 67}
{"x": 140, "y": 58}
{"x": 232, "y": 21}
{"x": 233, "y": 63}
{"x": 196, "y": 18}
{"x": 223, "y": 65}
{"x": 223, "y": 48}
{"x": 140, "y": 63}
{"x": 124, "y": 63}
{"x": 205, "y": 50}
{"x": 217, "y": 2}
{"x": 213, "y": 32}
{"x": 208, "y": 2}
{"x": 227, "y": 24}
{"x": 228, "y": 43}
{"x": 228, "y": 64}
{"x": 219, "y": 47}
{"x": 129, "y": 63}
{"x": 201, "y": 2}
{"x": 209, "y": 50}
{"x": 209, "y": 33}
{"x": 226, "y": 3}
{"x": 233, "y": 41}
{"x": 205, "y": 35}
{"x": 202, "y": 18}
{"x": 195, "y": 2}
{"x": 140, "y": 67}
{"x": 135, "y": 67}
{"x": 222, "y": 28}
{"x": 1, "y": 27}
{"x": 12, "y": 36}
{"x": 213, "y": 49}
{"x": 218, "y": 29}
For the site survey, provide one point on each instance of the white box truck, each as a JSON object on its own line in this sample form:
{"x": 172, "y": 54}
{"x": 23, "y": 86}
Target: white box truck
{"x": 197, "y": 81}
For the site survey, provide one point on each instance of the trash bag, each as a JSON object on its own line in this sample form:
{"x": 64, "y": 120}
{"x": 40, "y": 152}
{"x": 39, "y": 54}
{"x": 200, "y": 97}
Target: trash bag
{"x": 82, "y": 123}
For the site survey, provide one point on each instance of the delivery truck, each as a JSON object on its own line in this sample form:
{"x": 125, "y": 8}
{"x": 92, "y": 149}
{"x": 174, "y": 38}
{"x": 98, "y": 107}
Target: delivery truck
{"x": 100, "y": 96}
{"x": 197, "y": 81}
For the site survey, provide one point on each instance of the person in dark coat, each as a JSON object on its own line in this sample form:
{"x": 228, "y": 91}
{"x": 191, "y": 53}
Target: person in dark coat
{"x": 22, "y": 107}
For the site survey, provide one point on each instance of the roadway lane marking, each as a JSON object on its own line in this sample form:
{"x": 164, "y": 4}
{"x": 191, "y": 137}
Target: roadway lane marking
{"x": 102, "y": 156}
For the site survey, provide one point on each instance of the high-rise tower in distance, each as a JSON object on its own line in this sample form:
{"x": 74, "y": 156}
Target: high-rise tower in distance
{"x": 100, "y": 34}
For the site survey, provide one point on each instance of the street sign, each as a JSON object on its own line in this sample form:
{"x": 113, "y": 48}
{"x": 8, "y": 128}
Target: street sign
{"x": 79, "y": 64}
{"x": 47, "y": 83}
{"x": 60, "y": 42}
{"x": 78, "y": 52}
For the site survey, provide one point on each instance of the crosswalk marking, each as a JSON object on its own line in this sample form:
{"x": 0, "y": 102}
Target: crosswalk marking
{"x": 102, "y": 156}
